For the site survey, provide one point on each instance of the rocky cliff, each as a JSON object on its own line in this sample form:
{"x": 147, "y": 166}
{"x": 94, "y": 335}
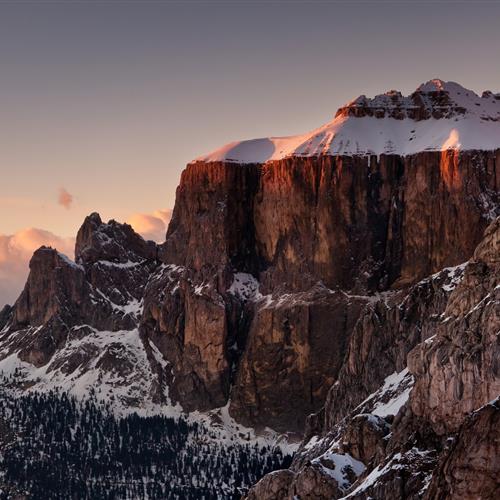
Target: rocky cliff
{"x": 349, "y": 297}
{"x": 266, "y": 273}
{"x": 414, "y": 411}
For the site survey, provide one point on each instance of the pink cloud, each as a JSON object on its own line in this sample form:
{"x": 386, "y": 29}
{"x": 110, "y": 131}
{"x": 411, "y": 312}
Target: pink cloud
{"x": 65, "y": 199}
{"x": 151, "y": 226}
{"x": 15, "y": 253}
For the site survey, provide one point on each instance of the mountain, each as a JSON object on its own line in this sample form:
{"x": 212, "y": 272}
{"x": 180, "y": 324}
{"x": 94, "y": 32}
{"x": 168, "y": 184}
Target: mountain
{"x": 339, "y": 286}
{"x": 437, "y": 116}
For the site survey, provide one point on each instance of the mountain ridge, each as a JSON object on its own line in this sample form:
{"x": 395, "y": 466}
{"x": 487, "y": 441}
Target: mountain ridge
{"x": 437, "y": 116}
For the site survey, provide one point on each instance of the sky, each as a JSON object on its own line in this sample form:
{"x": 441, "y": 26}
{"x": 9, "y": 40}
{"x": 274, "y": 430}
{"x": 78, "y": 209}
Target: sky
{"x": 104, "y": 102}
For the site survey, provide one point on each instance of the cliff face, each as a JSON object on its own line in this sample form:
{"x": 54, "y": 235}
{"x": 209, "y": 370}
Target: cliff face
{"x": 458, "y": 371}
{"x": 426, "y": 430}
{"x": 355, "y": 222}
{"x": 275, "y": 262}
{"x": 367, "y": 224}
{"x": 470, "y": 468}
{"x": 268, "y": 276}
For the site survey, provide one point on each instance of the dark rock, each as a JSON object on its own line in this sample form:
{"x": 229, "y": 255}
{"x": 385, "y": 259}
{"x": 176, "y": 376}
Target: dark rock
{"x": 52, "y": 277}
{"x": 5, "y": 315}
{"x": 113, "y": 242}
{"x": 295, "y": 344}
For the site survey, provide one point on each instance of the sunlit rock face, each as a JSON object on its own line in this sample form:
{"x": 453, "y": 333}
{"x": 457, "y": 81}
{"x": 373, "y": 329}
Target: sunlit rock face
{"x": 351, "y": 221}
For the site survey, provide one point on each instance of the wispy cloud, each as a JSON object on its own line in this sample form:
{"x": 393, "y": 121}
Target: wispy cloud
{"x": 65, "y": 199}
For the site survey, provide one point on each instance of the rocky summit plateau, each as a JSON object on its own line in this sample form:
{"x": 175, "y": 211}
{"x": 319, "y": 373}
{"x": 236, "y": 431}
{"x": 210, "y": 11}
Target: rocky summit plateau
{"x": 334, "y": 295}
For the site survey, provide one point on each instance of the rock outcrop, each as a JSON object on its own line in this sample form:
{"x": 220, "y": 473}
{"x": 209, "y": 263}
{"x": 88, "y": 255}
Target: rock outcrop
{"x": 470, "y": 466}
{"x": 76, "y": 324}
{"x": 435, "y": 99}
{"x": 113, "y": 242}
{"x": 459, "y": 369}
{"x": 431, "y": 429}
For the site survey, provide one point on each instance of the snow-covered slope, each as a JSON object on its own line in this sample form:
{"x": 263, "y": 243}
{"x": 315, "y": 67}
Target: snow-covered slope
{"x": 437, "y": 116}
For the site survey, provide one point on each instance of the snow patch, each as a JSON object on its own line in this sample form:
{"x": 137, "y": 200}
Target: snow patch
{"x": 375, "y": 475}
{"x": 68, "y": 261}
{"x": 245, "y": 286}
{"x": 392, "y": 396}
{"x": 121, "y": 265}
{"x": 337, "y": 466}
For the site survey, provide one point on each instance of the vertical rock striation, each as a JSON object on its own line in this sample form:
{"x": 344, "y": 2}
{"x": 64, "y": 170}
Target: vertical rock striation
{"x": 317, "y": 237}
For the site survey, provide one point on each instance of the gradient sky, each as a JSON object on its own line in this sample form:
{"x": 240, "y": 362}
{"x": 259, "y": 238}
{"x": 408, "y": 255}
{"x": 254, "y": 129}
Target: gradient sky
{"x": 110, "y": 100}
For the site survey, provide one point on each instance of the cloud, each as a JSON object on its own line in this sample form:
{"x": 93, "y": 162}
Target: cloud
{"x": 151, "y": 226}
{"x": 65, "y": 199}
{"x": 15, "y": 253}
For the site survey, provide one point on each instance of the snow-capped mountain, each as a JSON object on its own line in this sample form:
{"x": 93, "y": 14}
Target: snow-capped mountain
{"x": 311, "y": 286}
{"x": 437, "y": 116}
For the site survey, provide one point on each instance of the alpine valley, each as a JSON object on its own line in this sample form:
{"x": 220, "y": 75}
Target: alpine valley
{"x": 321, "y": 322}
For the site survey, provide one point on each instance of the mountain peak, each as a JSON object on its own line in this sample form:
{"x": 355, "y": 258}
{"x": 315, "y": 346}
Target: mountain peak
{"x": 438, "y": 85}
{"x": 111, "y": 241}
{"x": 435, "y": 85}
{"x": 389, "y": 123}
{"x": 434, "y": 99}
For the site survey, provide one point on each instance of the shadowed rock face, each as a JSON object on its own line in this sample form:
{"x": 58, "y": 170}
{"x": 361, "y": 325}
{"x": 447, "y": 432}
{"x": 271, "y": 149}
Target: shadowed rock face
{"x": 52, "y": 277}
{"x": 268, "y": 278}
{"x": 101, "y": 293}
{"x": 212, "y": 221}
{"x": 295, "y": 348}
{"x": 431, "y": 431}
{"x": 387, "y": 330}
{"x": 5, "y": 314}
{"x": 115, "y": 242}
